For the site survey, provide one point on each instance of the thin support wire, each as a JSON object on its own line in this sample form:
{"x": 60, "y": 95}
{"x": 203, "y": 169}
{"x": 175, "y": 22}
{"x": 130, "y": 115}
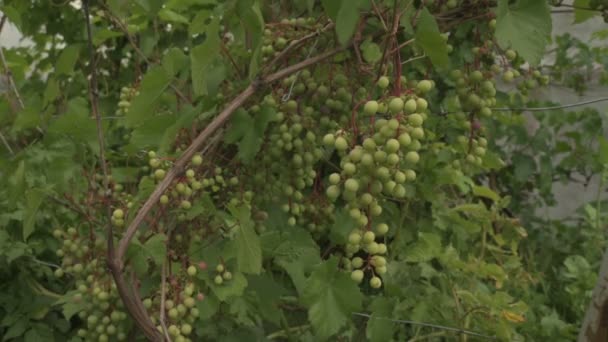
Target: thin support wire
{"x": 436, "y": 326}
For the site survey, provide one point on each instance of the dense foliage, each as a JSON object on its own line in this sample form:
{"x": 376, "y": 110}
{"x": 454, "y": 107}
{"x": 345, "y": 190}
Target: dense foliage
{"x": 375, "y": 166}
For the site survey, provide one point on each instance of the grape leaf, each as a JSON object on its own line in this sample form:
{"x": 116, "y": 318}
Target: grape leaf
{"x": 234, "y": 287}
{"x": 249, "y": 131}
{"x": 371, "y": 51}
{"x": 524, "y": 27}
{"x": 428, "y": 37}
{"x": 268, "y": 293}
{"x": 297, "y": 255}
{"x": 33, "y": 200}
{"x": 67, "y": 59}
{"x": 203, "y": 55}
{"x": 173, "y": 17}
{"x": 249, "y": 250}
{"x": 581, "y": 13}
{"x": 331, "y": 296}
{"x": 484, "y": 191}
{"x": 152, "y": 87}
{"x": 426, "y": 248}
{"x": 346, "y": 20}
{"x": 379, "y": 330}
{"x": 331, "y": 7}
{"x": 343, "y": 225}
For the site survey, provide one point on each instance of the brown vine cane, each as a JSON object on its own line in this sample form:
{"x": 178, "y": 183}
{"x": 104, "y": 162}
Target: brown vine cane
{"x": 116, "y": 261}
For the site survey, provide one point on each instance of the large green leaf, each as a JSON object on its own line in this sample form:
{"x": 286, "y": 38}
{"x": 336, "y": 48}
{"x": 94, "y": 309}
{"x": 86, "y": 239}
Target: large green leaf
{"x": 346, "y": 20}
{"x": 343, "y": 225}
{"x": 249, "y": 131}
{"x": 152, "y": 87}
{"x": 249, "y": 250}
{"x": 332, "y": 7}
{"x": 581, "y": 13}
{"x": 33, "y": 200}
{"x": 297, "y": 255}
{"x": 202, "y": 57}
{"x": 379, "y": 330}
{"x": 525, "y": 27}
{"x": 67, "y": 60}
{"x": 77, "y": 124}
{"x": 426, "y": 248}
{"x": 429, "y": 38}
{"x": 331, "y": 297}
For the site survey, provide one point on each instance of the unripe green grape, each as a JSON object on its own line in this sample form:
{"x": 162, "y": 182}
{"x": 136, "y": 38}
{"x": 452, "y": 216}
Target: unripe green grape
{"x": 417, "y": 133}
{"x": 375, "y": 188}
{"x": 424, "y": 86}
{"x": 334, "y": 178}
{"x": 118, "y": 214}
{"x": 410, "y": 174}
{"x": 355, "y": 213}
{"x": 492, "y": 24}
{"x": 357, "y": 262}
{"x": 510, "y": 54}
{"x": 159, "y": 174}
{"x": 341, "y": 144}
{"x": 393, "y": 124}
{"x": 508, "y": 76}
{"x": 354, "y": 238}
{"x": 291, "y": 221}
{"x": 185, "y": 329}
{"x": 369, "y": 144}
{"x": 399, "y": 177}
{"x": 366, "y": 199}
{"x": 393, "y": 159}
{"x": 349, "y": 169}
{"x": 58, "y": 273}
{"x": 351, "y": 185}
{"x": 380, "y": 156}
{"x": 368, "y": 237}
{"x": 370, "y": 108}
{"x": 486, "y": 111}
{"x": 421, "y": 104}
{"x": 383, "y": 173}
{"x": 218, "y": 280}
{"x": 395, "y": 105}
{"x": 185, "y": 204}
{"x": 227, "y": 275}
{"x": 380, "y": 270}
{"x": 375, "y": 282}
{"x": 191, "y": 270}
{"x": 357, "y": 276}
{"x": 399, "y": 191}
{"x": 476, "y": 76}
{"x": 329, "y": 140}
{"x": 415, "y": 119}
{"x": 382, "y": 229}
{"x": 480, "y": 151}
{"x": 410, "y": 106}
{"x": 173, "y": 313}
{"x": 412, "y": 157}
{"x": 333, "y": 191}
{"x": 404, "y": 139}
{"x": 391, "y": 146}
{"x": 383, "y": 82}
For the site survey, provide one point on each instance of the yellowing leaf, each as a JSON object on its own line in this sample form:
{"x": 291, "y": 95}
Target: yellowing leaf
{"x": 513, "y": 317}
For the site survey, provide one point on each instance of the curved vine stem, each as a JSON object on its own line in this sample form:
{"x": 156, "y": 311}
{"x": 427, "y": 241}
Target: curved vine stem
{"x": 116, "y": 259}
